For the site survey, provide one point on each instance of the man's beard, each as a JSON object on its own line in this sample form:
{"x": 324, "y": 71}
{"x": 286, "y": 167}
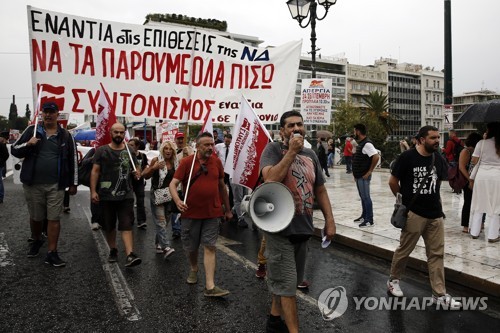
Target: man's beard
{"x": 431, "y": 148}
{"x": 117, "y": 139}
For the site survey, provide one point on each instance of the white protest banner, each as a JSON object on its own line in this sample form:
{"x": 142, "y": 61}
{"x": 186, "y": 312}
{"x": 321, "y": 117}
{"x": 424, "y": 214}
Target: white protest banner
{"x": 316, "y": 101}
{"x": 159, "y": 71}
{"x": 166, "y": 132}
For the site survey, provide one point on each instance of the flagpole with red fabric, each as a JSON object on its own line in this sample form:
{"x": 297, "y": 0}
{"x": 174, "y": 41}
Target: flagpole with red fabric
{"x": 250, "y": 137}
{"x": 106, "y": 117}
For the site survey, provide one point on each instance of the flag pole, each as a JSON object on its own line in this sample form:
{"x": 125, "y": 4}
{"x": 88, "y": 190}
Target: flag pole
{"x": 189, "y": 178}
{"x": 130, "y": 156}
{"x": 37, "y": 111}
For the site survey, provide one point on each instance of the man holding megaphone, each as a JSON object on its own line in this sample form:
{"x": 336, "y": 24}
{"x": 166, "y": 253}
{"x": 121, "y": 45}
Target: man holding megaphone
{"x": 299, "y": 169}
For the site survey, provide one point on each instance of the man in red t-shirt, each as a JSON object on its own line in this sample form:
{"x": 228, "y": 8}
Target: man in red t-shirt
{"x": 202, "y": 209}
{"x": 348, "y": 154}
{"x": 449, "y": 150}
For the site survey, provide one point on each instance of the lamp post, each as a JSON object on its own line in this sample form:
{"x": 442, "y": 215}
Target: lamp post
{"x": 307, "y": 9}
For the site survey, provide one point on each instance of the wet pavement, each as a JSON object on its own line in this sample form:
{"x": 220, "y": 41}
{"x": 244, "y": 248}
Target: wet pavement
{"x": 474, "y": 263}
{"x": 92, "y": 295}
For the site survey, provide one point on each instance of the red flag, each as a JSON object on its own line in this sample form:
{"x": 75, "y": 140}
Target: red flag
{"x": 250, "y": 137}
{"x": 105, "y": 119}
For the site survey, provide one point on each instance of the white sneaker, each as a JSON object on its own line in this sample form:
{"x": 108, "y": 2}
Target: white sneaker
{"x": 168, "y": 252}
{"x": 393, "y": 288}
{"x": 446, "y": 302}
{"x": 159, "y": 250}
{"x": 95, "y": 226}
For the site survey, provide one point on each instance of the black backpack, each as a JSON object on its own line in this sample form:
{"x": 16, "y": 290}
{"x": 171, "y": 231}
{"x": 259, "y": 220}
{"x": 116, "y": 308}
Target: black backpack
{"x": 85, "y": 168}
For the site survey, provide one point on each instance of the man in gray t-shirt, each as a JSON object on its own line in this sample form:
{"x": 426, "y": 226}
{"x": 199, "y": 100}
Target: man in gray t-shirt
{"x": 299, "y": 169}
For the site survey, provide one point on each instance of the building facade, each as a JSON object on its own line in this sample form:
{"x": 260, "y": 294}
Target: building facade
{"x": 462, "y": 102}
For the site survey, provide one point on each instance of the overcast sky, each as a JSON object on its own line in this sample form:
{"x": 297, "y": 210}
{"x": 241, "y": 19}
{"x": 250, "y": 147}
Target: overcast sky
{"x": 360, "y": 30}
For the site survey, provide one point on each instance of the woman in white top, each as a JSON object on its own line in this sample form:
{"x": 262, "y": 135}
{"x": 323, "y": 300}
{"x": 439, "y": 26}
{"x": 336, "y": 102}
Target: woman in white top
{"x": 486, "y": 182}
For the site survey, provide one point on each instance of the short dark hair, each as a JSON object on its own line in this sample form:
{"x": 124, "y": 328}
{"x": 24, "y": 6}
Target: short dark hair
{"x": 204, "y": 135}
{"x": 361, "y": 128}
{"x": 493, "y": 129}
{"x": 473, "y": 139}
{"x": 423, "y": 132}
{"x": 228, "y": 135}
{"x": 136, "y": 141}
{"x": 289, "y": 114}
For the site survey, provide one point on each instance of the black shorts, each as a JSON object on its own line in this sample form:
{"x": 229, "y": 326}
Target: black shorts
{"x": 111, "y": 210}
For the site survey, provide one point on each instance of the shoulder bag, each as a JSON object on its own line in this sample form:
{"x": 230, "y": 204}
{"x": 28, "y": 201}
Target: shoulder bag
{"x": 456, "y": 178}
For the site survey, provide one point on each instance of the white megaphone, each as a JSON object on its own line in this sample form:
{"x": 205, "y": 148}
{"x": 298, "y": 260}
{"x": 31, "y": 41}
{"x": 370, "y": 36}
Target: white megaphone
{"x": 270, "y": 206}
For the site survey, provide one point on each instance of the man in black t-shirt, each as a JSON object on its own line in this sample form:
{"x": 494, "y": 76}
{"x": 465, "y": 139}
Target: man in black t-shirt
{"x": 417, "y": 174}
{"x": 113, "y": 171}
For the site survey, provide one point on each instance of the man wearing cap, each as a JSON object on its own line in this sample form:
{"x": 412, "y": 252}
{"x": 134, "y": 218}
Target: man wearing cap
{"x": 183, "y": 150}
{"x": 49, "y": 166}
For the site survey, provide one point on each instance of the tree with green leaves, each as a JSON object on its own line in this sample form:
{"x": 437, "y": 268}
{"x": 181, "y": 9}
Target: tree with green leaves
{"x": 4, "y": 123}
{"x": 12, "y": 115}
{"x": 347, "y": 115}
{"x": 377, "y": 109}
{"x": 27, "y": 114}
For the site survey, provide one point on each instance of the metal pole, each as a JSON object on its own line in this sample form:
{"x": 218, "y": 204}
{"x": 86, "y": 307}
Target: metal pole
{"x": 314, "y": 5}
{"x": 448, "y": 79}
{"x": 145, "y": 139}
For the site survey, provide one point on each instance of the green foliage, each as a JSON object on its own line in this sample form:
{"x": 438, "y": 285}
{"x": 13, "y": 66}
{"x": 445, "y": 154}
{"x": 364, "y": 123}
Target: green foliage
{"x": 345, "y": 117}
{"x": 4, "y": 123}
{"x": 21, "y": 123}
{"x": 377, "y": 109}
{"x": 12, "y": 115}
{"x": 27, "y": 114}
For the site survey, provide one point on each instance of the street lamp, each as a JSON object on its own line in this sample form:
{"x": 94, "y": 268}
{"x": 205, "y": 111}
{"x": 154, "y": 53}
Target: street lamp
{"x": 300, "y": 10}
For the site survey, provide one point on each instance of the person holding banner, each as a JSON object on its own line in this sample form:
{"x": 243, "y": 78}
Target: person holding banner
{"x": 49, "y": 166}
{"x": 112, "y": 168}
{"x": 299, "y": 169}
{"x": 202, "y": 178}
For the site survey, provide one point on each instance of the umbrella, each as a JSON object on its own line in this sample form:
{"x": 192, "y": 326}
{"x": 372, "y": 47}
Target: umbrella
{"x": 324, "y": 134}
{"x": 85, "y": 135}
{"x": 484, "y": 112}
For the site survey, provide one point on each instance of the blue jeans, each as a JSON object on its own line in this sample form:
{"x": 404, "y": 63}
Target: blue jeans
{"x": 348, "y": 163}
{"x": 363, "y": 186}
{"x": 2, "y": 191}
{"x": 331, "y": 158}
{"x": 160, "y": 219}
{"x": 176, "y": 225}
